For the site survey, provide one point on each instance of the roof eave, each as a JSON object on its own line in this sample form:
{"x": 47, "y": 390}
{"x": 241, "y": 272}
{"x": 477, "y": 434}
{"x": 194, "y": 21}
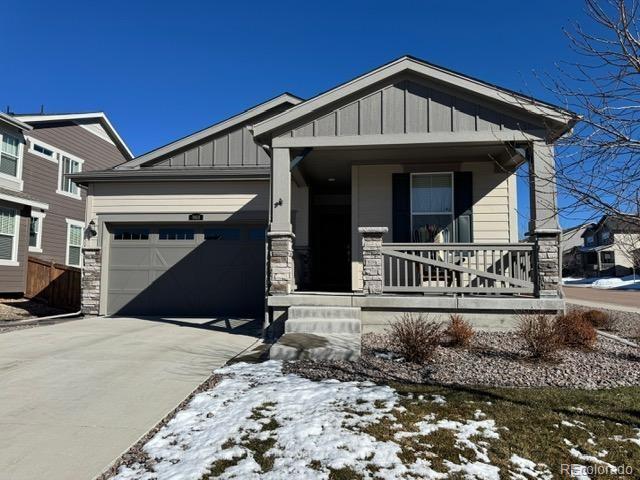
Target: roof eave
{"x": 168, "y": 174}
{"x": 14, "y": 122}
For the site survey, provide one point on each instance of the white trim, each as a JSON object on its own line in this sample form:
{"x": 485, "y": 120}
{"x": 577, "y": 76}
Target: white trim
{"x": 433, "y": 72}
{"x": 78, "y": 116}
{"x": 73, "y": 223}
{"x": 40, "y": 216}
{"x": 16, "y": 240}
{"x": 24, "y": 201}
{"x": 11, "y": 182}
{"x": 452, "y": 213}
{"x": 235, "y": 120}
{"x": 14, "y": 122}
{"x": 55, "y": 150}
{"x": 59, "y": 190}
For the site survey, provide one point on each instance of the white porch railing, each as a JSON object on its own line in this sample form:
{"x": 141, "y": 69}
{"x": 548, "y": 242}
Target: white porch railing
{"x": 489, "y": 268}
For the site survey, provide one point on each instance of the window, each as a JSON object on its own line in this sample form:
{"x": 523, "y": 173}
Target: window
{"x": 607, "y": 257}
{"x": 131, "y": 234}
{"x": 42, "y": 151}
{"x": 35, "y": 231}
{"x": 66, "y": 186}
{"x": 9, "y": 155}
{"x": 74, "y": 242}
{"x": 589, "y": 240}
{"x": 8, "y": 236}
{"x": 222, "y": 234}
{"x": 605, "y": 235}
{"x": 432, "y": 207}
{"x": 176, "y": 234}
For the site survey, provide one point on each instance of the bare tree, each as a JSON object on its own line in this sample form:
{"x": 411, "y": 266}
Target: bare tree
{"x": 598, "y": 166}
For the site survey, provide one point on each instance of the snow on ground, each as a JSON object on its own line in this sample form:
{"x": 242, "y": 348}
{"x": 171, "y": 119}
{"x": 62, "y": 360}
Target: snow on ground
{"x": 306, "y": 428}
{"x": 605, "y": 283}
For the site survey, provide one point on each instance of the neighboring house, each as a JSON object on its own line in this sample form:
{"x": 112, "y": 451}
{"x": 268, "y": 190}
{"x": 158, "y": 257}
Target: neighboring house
{"x": 572, "y": 242}
{"x": 611, "y": 246}
{"x": 41, "y": 210}
{"x": 394, "y": 190}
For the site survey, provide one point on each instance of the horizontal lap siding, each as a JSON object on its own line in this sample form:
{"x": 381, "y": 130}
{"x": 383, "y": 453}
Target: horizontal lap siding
{"x": 41, "y": 180}
{"x": 175, "y": 197}
{"x": 411, "y": 106}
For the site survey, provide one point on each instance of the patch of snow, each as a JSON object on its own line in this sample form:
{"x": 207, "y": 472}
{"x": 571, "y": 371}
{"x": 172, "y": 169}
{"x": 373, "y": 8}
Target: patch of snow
{"x": 438, "y": 399}
{"x": 618, "y": 283}
{"x": 591, "y": 459}
{"x": 568, "y": 443}
{"x": 479, "y": 470}
{"x": 526, "y": 469}
{"x": 479, "y": 414}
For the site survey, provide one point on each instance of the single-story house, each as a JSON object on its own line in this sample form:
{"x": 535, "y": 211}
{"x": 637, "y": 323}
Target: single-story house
{"x": 393, "y": 191}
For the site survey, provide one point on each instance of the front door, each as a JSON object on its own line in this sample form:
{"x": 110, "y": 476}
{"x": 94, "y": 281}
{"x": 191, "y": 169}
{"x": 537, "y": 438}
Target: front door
{"x": 330, "y": 248}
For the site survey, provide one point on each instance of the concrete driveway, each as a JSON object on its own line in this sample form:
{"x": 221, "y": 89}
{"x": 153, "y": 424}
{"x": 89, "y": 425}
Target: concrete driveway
{"x": 74, "y": 396}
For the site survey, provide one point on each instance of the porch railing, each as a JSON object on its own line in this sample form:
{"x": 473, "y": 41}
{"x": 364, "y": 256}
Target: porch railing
{"x": 488, "y": 268}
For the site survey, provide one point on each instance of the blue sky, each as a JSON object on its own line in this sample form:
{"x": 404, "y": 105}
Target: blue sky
{"x": 164, "y": 69}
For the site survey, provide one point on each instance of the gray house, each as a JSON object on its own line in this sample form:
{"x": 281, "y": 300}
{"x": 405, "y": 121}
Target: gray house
{"x": 393, "y": 191}
{"x": 41, "y": 211}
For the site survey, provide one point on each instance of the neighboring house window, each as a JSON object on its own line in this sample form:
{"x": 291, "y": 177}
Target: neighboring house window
{"x": 35, "y": 232}
{"x": 589, "y": 240}
{"x": 607, "y": 257}
{"x": 9, "y": 225}
{"x": 41, "y": 149}
{"x": 74, "y": 242}
{"x": 432, "y": 207}
{"x": 10, "y": 156}
{"x": 606, "y": 235}
{"x": 66, "y": 186}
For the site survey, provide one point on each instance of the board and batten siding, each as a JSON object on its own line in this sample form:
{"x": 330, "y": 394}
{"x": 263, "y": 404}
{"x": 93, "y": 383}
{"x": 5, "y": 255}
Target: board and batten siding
{"x": 233, "y": 147}
{"x": 412, "y": 106}
{"x": 494, "y": 204}
{"x": 40, "y": 177}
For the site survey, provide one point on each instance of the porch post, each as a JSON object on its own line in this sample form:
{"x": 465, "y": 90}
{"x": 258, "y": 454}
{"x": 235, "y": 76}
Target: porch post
{"x": 280, "y": 235}
{"x": 372, "y": 268}
{"x": 543, "y": 225}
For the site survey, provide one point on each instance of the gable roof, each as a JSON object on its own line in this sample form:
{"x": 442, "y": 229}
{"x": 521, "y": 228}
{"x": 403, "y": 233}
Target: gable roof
{"x": 9, "y": 120}
{"x": 558, "y": 115}
{"x": 616, "y": 223}
{"x": 101, "y": 117}
{"x": 213, "y": 129}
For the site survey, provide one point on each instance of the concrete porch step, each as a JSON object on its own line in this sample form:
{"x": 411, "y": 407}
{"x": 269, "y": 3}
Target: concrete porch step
{"x": 323, "y": 320}
{"x": 299, "y": 346}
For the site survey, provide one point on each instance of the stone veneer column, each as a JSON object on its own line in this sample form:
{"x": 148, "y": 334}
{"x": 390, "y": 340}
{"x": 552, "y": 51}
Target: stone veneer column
{"x": 281, "y": 269}
{"x": 372, "y": 274}
{"x": 90, "y": 299}
{"x": 547, "y": 261}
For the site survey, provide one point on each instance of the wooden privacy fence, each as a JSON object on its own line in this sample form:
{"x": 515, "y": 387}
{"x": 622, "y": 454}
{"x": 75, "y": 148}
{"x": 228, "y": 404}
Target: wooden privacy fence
{"x": 457, "y": 268}
{"x": 57, "y": 285}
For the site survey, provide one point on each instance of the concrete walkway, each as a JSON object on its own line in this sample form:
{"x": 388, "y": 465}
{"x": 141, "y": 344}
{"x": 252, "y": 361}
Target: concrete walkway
{"x": 76, "y": 395}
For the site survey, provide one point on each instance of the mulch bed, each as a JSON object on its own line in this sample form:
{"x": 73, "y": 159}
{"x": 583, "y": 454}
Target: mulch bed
{"x": 496, "y": 359}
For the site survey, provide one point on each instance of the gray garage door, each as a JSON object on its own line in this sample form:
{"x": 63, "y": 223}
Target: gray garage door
{"x": 186, "y": 270}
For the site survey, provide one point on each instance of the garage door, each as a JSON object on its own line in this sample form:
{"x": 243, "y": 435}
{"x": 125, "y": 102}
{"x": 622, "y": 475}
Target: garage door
{"x": 185, "y": 270}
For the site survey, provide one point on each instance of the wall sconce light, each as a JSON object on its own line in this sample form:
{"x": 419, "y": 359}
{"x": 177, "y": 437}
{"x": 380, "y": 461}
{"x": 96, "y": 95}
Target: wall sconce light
{"x": 92, "y": 229}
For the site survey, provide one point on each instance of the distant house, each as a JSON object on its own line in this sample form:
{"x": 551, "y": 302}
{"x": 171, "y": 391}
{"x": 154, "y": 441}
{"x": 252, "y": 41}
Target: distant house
{"x": 610, "y": 247}
{"x": 572, "y": 242}
{"x": 42, "y": 211}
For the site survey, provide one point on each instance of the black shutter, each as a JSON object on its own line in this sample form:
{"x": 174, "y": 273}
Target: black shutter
{"x": 463, "y": 206}
{"x": 401, "y": 207}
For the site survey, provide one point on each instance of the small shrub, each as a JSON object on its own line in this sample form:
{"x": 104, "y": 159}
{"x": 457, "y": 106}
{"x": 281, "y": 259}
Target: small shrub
{"x": 459, "y": 331}
{"x": 539, "y": 334}
{"x": 415, "y": 337}
{"x": 599, "y": 319}
{"x": 575, "y": 331}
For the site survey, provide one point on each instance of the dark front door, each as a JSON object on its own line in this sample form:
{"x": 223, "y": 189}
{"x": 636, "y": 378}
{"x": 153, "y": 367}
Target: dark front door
{"x": 331, "y": 248}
